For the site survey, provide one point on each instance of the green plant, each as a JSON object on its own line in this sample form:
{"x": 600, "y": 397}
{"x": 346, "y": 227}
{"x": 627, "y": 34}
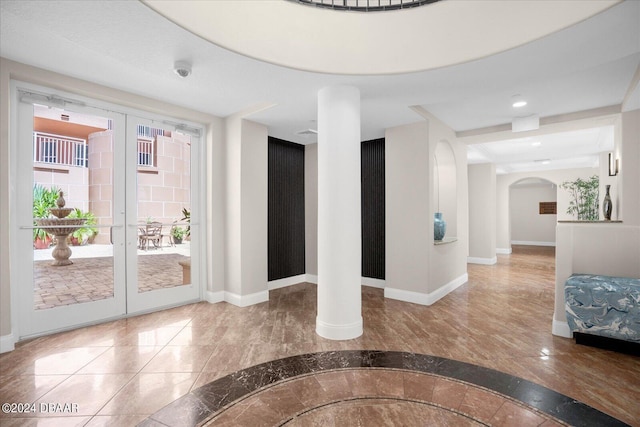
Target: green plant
{"x": 178, "y": 232}
{"x": 584, "y": 202}
{"x": 43, "y": 199}
{"x": 88, "y": 230}
{"x": 186, "y": 216}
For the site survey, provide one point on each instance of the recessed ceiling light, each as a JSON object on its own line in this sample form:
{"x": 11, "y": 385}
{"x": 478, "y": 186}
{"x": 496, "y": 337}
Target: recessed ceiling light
{"x": 536, "y": 144}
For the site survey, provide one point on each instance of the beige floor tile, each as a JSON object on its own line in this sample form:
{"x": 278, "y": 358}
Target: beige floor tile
{"x": 89, "y": 393}
{"x": 147, "y": 393}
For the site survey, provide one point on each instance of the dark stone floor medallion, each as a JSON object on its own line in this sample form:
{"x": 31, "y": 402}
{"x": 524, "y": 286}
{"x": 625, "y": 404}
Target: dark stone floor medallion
{"x": 371, "y": 387}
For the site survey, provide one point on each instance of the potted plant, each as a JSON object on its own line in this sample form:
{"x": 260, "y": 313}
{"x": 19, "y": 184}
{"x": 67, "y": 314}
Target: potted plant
{"x": 186, "y": 216}
{"x": 87, "y": 232}
{"x": 584, "y": 202}
{"x": 43, "y": 199}
{"x": 177, "y": 234}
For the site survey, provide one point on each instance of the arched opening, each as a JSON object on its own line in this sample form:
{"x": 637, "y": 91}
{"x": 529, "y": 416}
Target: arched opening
{"x": 446, "y": 186}
{"x": 533, "y": 212}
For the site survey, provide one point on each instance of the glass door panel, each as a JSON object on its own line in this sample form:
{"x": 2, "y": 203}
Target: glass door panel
{"x": 162, "y": 208}
{"x": 66, "y": 179}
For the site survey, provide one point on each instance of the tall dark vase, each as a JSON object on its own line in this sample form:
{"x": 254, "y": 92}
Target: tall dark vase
{"x": 607, "y": 205}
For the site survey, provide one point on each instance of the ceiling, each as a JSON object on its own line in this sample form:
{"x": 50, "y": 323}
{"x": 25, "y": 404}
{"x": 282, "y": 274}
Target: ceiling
{"x": 128, "y": 46}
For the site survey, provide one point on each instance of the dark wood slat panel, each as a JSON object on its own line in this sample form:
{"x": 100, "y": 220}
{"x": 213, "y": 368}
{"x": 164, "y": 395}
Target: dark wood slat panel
{"x": 286, "y": 247}
{"x": 373, "y": 206}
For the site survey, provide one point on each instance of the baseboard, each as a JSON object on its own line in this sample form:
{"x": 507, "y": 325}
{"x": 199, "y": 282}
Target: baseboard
{"x": 339, "y": 332}
{"x": 561, "y": 329}
{"x": 483, "y": 261}
{"x": 312, "y": 278}
{"x": 7, "y": 343}
{"x": 214, "y": 297}
{"x": 374, "y": 283}
{"x": 532, "y": 243}
{"x": 503, "y": 251}
{"x": 287, "y": 281}
{"x": 246, "y": 300}
{"x": 425, "y": 299}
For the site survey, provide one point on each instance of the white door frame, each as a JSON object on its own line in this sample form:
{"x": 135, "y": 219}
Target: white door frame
{"x": 26, "y": 322}
{"x": 152, "y": 300}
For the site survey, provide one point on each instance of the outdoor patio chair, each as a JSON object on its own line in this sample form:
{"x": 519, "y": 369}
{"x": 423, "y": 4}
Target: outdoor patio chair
{"x": 150, "y": 232}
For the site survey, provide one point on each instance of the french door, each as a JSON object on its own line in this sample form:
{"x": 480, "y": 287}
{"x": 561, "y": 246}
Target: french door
{"x": 118, "y": 174}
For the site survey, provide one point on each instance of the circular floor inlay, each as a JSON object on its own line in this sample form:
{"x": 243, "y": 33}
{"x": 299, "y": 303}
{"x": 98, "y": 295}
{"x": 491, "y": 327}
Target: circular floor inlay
{"x": 381, "y": 412}
{"x": 374, "y": 396}
{"x": 370, "y": 387}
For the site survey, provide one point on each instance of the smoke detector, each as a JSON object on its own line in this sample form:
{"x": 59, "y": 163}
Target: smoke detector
{"x": 182, "y": 68}
{"x": 307, "y": 132}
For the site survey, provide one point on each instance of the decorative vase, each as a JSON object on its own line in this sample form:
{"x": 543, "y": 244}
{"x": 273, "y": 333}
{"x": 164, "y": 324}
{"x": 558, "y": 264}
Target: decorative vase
{"x": 439, "y": 226}
{"x": 607, "y": 205}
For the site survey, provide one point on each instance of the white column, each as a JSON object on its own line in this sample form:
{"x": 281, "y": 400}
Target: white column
{"x": 339, "y": 229}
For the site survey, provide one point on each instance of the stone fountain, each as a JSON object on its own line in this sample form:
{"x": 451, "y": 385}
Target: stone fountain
{"x": 61, "y": 227}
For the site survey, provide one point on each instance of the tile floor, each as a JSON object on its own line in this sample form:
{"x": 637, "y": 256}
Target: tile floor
{"x": 121, "y": 372}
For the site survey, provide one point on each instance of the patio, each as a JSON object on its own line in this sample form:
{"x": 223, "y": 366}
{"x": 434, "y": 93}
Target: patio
{"x": 90, "y": 277}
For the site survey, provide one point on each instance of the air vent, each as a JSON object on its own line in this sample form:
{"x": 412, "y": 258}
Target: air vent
{"x": 307, "y": 132}
{"x": 64, "y": 117}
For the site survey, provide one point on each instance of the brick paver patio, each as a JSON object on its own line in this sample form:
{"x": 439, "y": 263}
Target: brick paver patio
{"x": 91, "y": 279}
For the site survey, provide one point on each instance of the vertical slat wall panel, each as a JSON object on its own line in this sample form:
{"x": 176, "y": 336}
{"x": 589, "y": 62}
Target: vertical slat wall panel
{"x": 286, "y": 229}
{"x": 373, "y": 200}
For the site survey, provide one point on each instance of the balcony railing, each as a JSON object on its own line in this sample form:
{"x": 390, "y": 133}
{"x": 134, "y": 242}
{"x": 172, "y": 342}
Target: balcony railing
{"x": 146, "y": 151}
{"x": 59, "y": 150}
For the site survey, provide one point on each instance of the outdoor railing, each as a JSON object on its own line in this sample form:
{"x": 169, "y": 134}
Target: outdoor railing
{"x": 59, "y": 150}
{"x": 145, "y": 152}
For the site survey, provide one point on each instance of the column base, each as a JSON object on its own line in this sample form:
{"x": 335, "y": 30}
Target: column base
{"x": 339, "y": 332}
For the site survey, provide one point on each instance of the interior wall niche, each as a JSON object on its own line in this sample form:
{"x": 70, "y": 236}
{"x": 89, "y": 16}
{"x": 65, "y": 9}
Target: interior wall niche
{"x": 446, "y": 186}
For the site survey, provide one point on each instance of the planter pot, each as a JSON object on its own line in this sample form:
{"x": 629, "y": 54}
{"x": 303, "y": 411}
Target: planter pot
{"x": 77, "y": 242}
{"x": 177, "y": 241}
{"x": 39, "y": 243}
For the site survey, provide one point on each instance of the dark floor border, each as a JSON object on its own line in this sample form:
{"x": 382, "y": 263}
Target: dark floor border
{"x": 200, "y": 404}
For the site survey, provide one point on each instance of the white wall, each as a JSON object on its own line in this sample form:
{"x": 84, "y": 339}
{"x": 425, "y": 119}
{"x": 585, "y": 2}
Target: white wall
{"x": 254, "y": 195}
{"x": 417, "y": 270}
{"x": 246, "y": 211}
{"x": 629, "y": 177}
{"x": 408, "y": 217}
{"x": 482, "y": 213}
{"x": 528, "y": 226}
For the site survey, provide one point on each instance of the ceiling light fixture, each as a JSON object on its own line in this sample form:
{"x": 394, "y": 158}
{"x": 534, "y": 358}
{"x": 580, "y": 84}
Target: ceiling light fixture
{"x": 182, "y": 68}
{"x": 536, "y": 144}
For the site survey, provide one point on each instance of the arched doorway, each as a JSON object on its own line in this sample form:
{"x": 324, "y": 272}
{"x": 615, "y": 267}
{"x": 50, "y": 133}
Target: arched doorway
{"x": 533, "y": 212}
